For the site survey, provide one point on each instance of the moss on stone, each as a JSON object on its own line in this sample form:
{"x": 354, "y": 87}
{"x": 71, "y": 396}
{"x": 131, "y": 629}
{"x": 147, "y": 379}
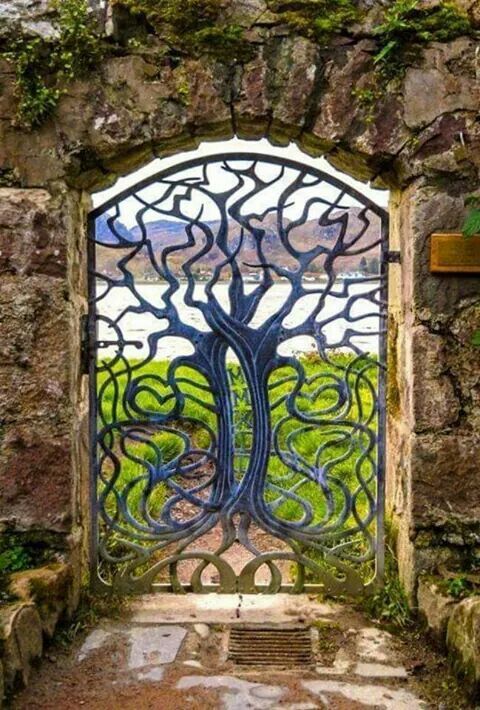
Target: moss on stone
{"x": 22, "y": 551}
{"x": 171, "y": 16}
{"x": 193, "y": 27}
{"x": 368, "y": 99}
{"x": 462, "y": 643}
{"x": 45, "y": 66}
{"x": 316, "y": 19}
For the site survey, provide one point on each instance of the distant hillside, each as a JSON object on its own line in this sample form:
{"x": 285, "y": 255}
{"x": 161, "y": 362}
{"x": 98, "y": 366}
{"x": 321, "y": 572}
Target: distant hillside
{"x": 104, "y": 233}
{"x": 165, "y": 235}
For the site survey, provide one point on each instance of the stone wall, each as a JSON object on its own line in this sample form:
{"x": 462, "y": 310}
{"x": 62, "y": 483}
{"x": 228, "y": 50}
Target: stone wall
{"x": 42, "y": 397}
{"x": 434, "y": 387}
{"x": 421, "y": 138}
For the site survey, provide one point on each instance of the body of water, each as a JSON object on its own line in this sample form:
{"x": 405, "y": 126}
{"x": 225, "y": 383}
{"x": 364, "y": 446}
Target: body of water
{"x": 138, "y": 326}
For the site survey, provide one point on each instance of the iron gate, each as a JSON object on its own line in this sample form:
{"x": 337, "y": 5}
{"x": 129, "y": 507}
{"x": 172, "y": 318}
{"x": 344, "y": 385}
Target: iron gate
{"x": 237, "y": 367}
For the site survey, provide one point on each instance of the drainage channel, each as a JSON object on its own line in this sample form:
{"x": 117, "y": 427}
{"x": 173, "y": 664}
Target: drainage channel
{"x": 270, "y": 646}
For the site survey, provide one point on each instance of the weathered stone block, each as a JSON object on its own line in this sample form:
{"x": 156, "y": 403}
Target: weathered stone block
{"x": 34, "y": 156}
{"x": 35, "y": 346}
{"x": 438, "y": 148}
{"x": 445, "y": 476}
{"x": 8, "y": 101}
{"x": 463, "y": 642}
{"x": 116, "y": 127}
{"x": 244, "y": 12}
{"x": 293, "y": 72}
{"x": 433, "y": 89}
{"x": 337, "y": 109}
{"x": 435, "y": 608}
{"x": 252, "y": 105}
{"x": 435, "y": 404}
{"x": 49, "y": 588}
{"x": 464, "y": 360}
{"x": 33, "y": 15}
{"x": 386, "y": 134}
{"x": 36, "y": 477}
{"x": 32, "y": 237}
{"x": 20, "y": 642}
{"x": 207, "y": 94}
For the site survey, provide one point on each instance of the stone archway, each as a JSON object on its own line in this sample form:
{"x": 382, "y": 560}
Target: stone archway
{"x": 287, "y": 89}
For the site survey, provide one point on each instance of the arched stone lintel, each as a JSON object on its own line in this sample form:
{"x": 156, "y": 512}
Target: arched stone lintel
{"x": 288, "y": 91}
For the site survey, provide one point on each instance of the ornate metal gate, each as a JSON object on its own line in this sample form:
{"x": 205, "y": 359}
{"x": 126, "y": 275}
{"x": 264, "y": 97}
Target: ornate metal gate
{"x": 237, "y": 366}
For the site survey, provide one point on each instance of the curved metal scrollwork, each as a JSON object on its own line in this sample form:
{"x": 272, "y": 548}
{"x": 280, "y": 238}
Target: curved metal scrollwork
{"x": 238, "y": 305}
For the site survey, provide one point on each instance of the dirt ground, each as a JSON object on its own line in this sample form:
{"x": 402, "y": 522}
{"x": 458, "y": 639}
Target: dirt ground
{"x": 357, "y": 663}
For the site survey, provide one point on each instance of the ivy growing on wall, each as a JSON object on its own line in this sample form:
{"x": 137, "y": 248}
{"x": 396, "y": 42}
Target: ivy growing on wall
{"x": 44, "y": 68}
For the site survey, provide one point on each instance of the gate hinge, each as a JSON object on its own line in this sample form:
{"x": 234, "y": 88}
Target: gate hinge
{"x": 84, "y": 344}
{"x": 393, "y": 257}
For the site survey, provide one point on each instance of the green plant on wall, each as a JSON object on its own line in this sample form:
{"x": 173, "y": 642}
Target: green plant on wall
{"x": 389, "y": 603}
{"x": 317, "y": 19}
{"x": 459, "y": 587}
{"x": 192, "y": 27}
{"x": 408, "y": 24}
{"x": 44, "y": 68}
{"x": 471, "y": 225}
{"x": 37, "y": 89}
{"x": 15, "y": 559}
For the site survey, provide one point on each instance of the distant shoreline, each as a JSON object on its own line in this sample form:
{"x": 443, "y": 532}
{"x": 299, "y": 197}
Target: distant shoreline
{"x": 320, "y": 279}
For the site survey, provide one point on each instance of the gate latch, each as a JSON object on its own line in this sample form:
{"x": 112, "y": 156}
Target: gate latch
{"x": 393, "y": 257}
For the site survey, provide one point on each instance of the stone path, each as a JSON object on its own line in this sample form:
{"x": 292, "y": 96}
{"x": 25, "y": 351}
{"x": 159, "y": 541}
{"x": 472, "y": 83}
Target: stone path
{"x": 172, "y": 653}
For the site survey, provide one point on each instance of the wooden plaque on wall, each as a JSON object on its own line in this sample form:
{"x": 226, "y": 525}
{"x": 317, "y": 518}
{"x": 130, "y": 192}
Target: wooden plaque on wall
{"x": 452, "y": 253}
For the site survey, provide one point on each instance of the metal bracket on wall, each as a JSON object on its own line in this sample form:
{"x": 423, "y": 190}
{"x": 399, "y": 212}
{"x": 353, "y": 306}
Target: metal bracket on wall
{"x": 393, "y": 257}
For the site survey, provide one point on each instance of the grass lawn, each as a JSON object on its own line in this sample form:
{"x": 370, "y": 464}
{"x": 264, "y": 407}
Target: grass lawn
{"x": 321, "y": 469}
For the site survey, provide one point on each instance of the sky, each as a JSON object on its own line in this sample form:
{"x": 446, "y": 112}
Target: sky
{"x": 292, "y": 152}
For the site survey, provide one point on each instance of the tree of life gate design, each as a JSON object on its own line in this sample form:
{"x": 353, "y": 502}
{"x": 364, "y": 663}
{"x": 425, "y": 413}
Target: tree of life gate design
{"x": 237, "y": 325}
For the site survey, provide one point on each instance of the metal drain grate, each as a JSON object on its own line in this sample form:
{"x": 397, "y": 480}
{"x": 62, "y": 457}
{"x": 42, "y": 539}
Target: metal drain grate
{"x": 270, "y": 646}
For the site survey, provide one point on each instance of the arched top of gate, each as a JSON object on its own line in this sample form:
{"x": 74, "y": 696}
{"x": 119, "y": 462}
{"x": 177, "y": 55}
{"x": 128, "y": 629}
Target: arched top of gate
{"x": 244, "y": 156}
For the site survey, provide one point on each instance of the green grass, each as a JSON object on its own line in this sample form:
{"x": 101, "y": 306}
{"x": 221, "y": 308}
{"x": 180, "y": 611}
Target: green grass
{"x": 328, "y": 442}
{"x": 389, "y": 603}
{"x": 331, "y": 448}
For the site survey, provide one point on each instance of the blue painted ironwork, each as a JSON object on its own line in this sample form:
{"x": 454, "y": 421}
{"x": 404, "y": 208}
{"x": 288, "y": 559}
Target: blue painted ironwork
{"x": 241, "y": 435}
